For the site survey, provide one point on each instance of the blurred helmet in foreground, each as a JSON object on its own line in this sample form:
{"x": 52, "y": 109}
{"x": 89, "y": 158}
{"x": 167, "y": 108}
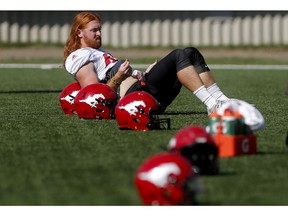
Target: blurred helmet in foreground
{"x": 166, "y": 179}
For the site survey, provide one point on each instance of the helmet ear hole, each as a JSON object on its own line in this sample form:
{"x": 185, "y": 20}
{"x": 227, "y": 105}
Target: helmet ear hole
{"x": 136, "y": 120}
{"x": 102, "y": 102}
{"x": 141, "y": 111}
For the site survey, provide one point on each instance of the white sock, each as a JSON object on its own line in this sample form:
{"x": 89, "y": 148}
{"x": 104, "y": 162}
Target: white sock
{"x": 203, "y": 94}
{"x": 216, "y": 92}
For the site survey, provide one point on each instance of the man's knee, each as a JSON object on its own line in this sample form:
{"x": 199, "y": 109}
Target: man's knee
{"x": 193, "y": 53}
{"x": 179, "y": 53}
{"x": 197, "y": 59}
{"x": 181, "y": 59}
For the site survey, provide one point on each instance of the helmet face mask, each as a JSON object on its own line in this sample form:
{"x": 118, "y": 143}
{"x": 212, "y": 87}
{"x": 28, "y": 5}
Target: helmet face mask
{"x": 96, "y": 101}
{"x": 138, "y": 111}
{"x": 159, "y": 123}
{"x": 203, "y": 156}
{"x": 67, "y": 98}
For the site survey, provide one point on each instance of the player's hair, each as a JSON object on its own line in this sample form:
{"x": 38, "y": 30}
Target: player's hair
{"x": 79, "y": 22}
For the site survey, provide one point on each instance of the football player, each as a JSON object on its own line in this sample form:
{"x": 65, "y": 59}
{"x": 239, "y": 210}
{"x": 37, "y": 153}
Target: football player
{"x": 88, "y": 63}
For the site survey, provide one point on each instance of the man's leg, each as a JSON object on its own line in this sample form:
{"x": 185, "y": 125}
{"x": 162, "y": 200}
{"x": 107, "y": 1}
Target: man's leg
{"x": 212, "y": 87}
{"x": 192, "y": 81}
{"x": 205, "y": 74}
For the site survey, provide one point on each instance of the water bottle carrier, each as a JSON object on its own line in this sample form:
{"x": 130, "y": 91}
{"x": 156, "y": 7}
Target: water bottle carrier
{"x": 233, "y": 145}
{"x": 232, "y": 136}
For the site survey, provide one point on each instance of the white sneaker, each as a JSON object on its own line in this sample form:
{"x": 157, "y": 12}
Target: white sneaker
{"x": 216, "y": 106}
{"x": 229, "y": 99}
{"x": 235, "y": 100}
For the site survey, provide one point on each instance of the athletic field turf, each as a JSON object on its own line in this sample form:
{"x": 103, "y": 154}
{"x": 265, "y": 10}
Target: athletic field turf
{"x": 48, "y": 158}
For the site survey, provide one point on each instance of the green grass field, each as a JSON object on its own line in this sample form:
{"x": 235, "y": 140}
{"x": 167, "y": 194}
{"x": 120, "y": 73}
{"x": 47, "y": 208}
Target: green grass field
{"x": 48, "y": 158}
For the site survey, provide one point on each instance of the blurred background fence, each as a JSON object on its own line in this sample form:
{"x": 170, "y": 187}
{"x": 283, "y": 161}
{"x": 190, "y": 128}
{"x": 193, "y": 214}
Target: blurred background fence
{"x": 153, "y": 28}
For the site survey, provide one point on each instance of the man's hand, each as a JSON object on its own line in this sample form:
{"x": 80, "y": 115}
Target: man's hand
{"x": 125, "y": 70}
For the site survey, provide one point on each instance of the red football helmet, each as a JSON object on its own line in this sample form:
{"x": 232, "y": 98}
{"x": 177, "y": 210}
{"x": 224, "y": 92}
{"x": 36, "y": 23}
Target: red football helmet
{"x": 137, "y": 111}
{"x": 96, "y": 101}
{"x": 166, "y": 179}
{"x": 67, "y": 97}
{"x": 194, "y": 143}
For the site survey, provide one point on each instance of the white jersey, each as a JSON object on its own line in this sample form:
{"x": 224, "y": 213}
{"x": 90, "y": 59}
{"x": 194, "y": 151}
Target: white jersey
{"x": 101, "y": 59}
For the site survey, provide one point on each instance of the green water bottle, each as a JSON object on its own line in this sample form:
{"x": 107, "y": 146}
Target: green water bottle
{"x": 240, "y": 124}
{"x": 229, "y": 123}
{"x": 213, "y": 123}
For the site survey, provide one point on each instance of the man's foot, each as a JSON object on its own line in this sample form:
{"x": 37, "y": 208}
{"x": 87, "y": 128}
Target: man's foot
{"x": 216, "y": 106}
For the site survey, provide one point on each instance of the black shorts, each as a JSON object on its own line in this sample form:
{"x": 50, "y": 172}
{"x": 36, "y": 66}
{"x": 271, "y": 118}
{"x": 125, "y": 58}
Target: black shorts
{"x": 162, "y": 82}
